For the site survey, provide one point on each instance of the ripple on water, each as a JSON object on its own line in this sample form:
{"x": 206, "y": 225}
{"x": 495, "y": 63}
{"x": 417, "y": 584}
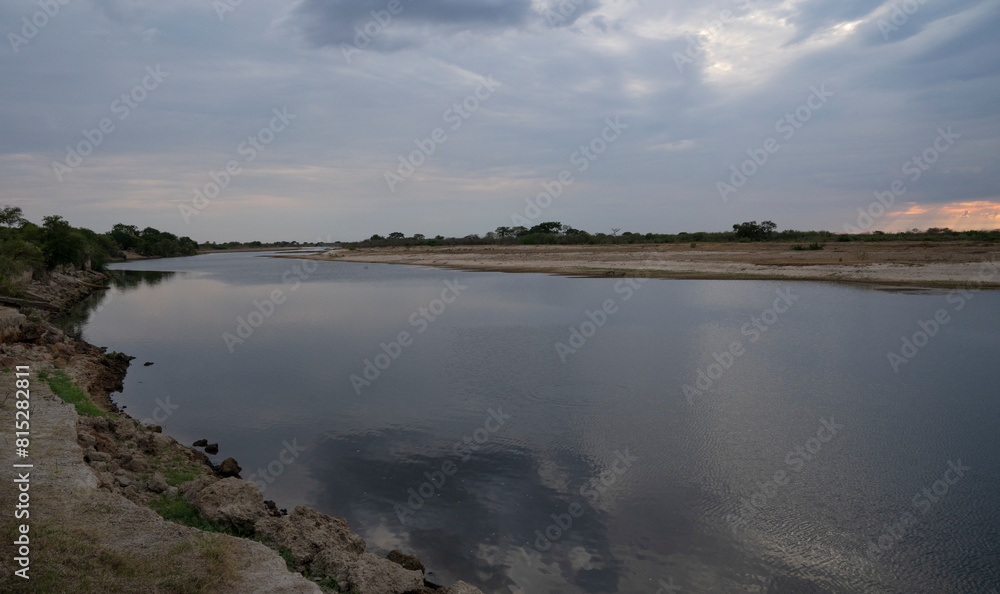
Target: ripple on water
{"x": 578, "y": 394}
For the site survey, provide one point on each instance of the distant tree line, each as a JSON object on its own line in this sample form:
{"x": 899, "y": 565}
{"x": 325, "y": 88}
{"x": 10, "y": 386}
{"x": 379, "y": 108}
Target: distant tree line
{"x": 27, "y": 249}
{"x": 556, "y": 233}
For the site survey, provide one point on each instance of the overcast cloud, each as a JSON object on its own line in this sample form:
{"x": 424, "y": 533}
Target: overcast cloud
{"x": 184, "y": 88}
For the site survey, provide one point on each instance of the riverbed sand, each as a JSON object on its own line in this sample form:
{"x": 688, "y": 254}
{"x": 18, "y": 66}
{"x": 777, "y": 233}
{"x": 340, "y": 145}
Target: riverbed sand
{"x": 942, "y": 265}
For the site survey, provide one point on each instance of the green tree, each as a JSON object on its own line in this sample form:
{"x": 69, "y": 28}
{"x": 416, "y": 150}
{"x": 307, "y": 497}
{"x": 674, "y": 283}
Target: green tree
{"x": 126, "y": 236}
{"x": 10, "y": 216}
{"x": 753, "y": 231}
{"x": 61, "y": 243}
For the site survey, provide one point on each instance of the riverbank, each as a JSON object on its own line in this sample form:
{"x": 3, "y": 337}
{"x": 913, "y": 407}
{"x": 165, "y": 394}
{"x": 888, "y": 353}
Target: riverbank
{"x": 103, "y": 487}
{"x": 905, "y": 264}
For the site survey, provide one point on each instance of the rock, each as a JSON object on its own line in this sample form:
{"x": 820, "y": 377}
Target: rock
{"x": 99, "y": 466}
{"x": 124, "y": 428}
{"x": 334, "y": 563}
{"x": 123, "y": 479}
{"x": 106, "y": 480}
{"x": 98, "y": 457}
{"x": 172, "y": 492}
{"x": 147, "y": 363}
{"x": 212, "y": 448}
{"x": 371, "y": 574}
{"x": 462, "y": 588}
{"x": 200, "y": 443}
{"x": 61, "y": 362}
{"x": 85, "y": 439}
{"x": 191, "y": 488}
{"x": 155, "y": 428}
{"x": 306, "y": 533}
{"x": 228, "y": 468}
{"x": 103, "y": 444}
{"x": 406, "y": 561}
{"x": 12, "y": 324}
{"x": 272, "y": 508}
{"x": 157, "y": 483}
{"x": 161, "y": 442}
{"x": 232, "y": 503}
{"x": 138, "y": 464}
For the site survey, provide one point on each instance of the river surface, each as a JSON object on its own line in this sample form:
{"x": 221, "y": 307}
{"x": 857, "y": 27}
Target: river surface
{"x": 800, "y": 458}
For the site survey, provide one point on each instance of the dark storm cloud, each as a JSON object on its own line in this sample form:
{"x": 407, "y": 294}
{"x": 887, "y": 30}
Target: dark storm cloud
{"x": 333, "y": 22}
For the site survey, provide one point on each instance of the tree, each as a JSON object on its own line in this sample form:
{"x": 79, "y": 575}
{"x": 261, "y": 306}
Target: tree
{"x": 418, "y": 236}
{"x": 10, "y": 216}
{"x": 396, "y": 235}
{"x": 753, "y": 231}
{"x": 551, "y": 227}
{"x": 61, "y": 244}
{"x": 504, "y": 232}
{"x": 126, "y": 236}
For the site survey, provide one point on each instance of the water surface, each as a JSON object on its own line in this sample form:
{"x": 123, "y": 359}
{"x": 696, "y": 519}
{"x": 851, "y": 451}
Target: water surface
{"x": 603, "y": 476}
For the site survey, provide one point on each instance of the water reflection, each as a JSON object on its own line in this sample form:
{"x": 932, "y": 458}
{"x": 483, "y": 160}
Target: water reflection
{"x": 119, "y": 281}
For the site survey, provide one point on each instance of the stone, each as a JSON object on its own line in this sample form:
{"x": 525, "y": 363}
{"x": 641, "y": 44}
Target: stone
{"x": 232, "y": 503}
{"x": 306, "y": 533}
{"x": 212, "y": 448}
{"x": 105, "y": 480}
{"x": 123, "y": 479}
{"x": 85, "y": 439}
{"x": 272, "y": 508}
{"x": 334, "y": 563}
{"x": 12, "y": 324}
{"x": 138, "y": 464}
{"x": 200, "y": 443}
{"x": 157, "y": 483}
{"x": 124, "y": 428}
{"x": 371, "y": 574}
{"x": 98, "y": 457}
{"x": 229, "y": 467}
{"x": 103, "y": 444}
{"x": 155, "y": 428}
{"x": 406, "y": 561}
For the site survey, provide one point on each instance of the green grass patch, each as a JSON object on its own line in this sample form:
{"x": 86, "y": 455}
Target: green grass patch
{"x": 286, "y": 554}
{"x": 179, "y": 511}
{"x": 64, "y": 388}
{"x": 177, "y": 469}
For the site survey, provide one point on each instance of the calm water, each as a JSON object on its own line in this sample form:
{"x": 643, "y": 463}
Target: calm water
{"x": 741, "y": 488}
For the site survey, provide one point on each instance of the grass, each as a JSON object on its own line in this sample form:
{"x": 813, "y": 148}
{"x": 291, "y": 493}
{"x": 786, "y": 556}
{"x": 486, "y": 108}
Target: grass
{"x": 64, "y": 388}
{"x": 79, "y": 560}
{"x": 179, "y": 511}
{"x": 286, "y": 554}
{"x": 177, "y": 470}
{"x": 812, "y": 247}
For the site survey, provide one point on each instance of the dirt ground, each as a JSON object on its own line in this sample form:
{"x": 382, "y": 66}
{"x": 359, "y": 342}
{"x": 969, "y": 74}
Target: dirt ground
{"x": 941, "y": 265}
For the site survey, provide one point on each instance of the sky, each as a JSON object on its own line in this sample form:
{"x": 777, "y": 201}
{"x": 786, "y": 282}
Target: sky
{"x": 307, "y": 120}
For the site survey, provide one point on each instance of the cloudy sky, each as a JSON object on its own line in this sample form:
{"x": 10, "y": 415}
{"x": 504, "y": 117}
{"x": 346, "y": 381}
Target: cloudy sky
{"x": 344, "y": 118}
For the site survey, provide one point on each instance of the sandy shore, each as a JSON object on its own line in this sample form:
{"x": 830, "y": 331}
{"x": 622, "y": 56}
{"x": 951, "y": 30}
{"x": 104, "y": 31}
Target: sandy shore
{"x": 924, "y": 264}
